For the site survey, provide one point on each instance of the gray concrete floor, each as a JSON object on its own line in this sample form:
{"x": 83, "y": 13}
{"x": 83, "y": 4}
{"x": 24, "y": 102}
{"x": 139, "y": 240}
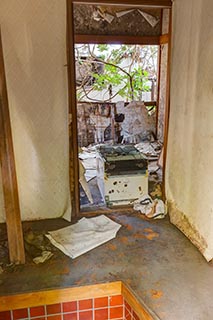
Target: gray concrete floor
{"x": 154, "y": 258}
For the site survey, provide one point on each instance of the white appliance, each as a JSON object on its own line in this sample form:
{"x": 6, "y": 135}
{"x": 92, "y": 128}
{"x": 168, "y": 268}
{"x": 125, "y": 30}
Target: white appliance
{"x": 122, "y": 174}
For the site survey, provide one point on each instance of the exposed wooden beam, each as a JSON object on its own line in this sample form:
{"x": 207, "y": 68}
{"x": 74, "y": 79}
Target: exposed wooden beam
{"x": 113, "y": 39}
{"x": 73, "y": 133}
{"x": 129, "y": 3}
{"x": 146, "y": 103}
{"x": 9, "y": 179}
{"x": 158, "y": 77}
{"x": 167, "y": 107}
{"x": 164, "y": 39}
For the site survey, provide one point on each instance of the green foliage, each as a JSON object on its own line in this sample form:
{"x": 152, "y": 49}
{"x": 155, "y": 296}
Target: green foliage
{"x": 123, "y": 69}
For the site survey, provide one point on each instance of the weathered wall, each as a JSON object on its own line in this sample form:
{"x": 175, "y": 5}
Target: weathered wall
{"x": 189, "y": 171}
{"x": 95, "y": 118}
{"x": 34, "y": 43}
{"x": 131, "y": 24}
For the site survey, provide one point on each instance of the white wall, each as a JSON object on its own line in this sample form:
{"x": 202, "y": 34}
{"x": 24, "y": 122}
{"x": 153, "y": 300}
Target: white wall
{"x": 189, "y": 173}
{"x": 34, "y": 44}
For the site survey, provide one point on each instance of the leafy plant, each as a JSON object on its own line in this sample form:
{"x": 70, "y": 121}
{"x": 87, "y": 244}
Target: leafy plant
{"x": 123, "y": 70}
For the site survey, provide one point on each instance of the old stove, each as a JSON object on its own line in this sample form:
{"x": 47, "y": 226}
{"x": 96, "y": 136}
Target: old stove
{"x": 122, "y": 174}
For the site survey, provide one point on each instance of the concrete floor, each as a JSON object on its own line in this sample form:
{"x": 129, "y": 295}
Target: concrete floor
{"x": 154, "y": 258}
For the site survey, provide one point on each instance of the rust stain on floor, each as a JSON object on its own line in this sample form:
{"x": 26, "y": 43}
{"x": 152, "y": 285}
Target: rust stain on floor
{"x": 124, "y": 240}
{"x": 148, "y": 230}
{"x": 156, "y": 294}
{"x": 139, "y": 236}
{"x": 150, "y": 234}
{"x": 65, "y": 270}
{"x": 112, "y": 247}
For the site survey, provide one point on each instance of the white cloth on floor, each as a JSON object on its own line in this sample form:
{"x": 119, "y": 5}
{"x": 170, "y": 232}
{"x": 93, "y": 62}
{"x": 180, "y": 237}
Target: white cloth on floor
{"x": 86, "y": 234}
{"x": 155, "y": 209}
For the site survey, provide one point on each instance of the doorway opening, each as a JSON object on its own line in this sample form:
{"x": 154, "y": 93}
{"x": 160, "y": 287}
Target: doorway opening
{"x": 121, "y": 88}
{"x": 116, "y": 89}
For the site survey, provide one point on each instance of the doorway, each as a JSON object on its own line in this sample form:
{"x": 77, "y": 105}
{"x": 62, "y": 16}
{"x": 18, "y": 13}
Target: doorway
{"x": 107, "y": 108}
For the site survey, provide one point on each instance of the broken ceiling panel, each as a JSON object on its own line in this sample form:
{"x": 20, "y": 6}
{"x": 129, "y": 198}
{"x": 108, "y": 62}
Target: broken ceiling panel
{"x": 152, "y": 20}
{"x": 114, "y": 20}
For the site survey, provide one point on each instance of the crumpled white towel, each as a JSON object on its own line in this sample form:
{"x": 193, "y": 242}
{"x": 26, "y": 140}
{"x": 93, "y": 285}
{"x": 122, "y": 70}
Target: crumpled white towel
{"x": 86, "y": 234}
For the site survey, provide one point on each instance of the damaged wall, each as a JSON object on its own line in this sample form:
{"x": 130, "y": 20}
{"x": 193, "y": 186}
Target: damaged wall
{"x": 189, "y": 173}
{"x": 87, "y": 21}
{"x": 34, "y": 44}
{"x": 97, "y": 122}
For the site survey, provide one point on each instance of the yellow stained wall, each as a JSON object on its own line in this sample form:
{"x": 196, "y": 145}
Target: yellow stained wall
{"x": 189, "y": 172}
{"x": 34, "y": 44}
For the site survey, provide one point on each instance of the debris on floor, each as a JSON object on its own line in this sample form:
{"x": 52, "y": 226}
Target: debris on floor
{"x": 89, "y": 160}
{"x": 45, "y": 255}
{"x": 150, "y": 150}
{"x": 87, "y": 155}
{"x": 37, "y": 246}
{"x": 157, "y": 191}
{"x": 84, "y": 236}
{"x": 153, "y": 209}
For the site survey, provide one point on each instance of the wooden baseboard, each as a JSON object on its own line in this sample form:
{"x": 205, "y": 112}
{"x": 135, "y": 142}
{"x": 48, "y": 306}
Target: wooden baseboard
{"x": 33, "y": 299}
{"x": 47, "y": 297}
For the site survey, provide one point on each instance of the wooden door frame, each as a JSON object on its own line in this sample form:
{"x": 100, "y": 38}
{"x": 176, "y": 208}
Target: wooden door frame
{"x": 73, "y": 131}
{"x": 8, "y": 172}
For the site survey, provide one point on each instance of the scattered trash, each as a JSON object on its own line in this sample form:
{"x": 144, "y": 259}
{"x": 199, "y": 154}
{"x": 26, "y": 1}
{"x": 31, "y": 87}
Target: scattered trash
{"x": 37, "y": 246}
{"x": 151, "y": 150}
{"x": 88, "y": 160}
{"x": 46, "y": 255}
{"x": 153, "y": 209}
{"x": 157, "y": 192}
{"x": 84, "y": 236}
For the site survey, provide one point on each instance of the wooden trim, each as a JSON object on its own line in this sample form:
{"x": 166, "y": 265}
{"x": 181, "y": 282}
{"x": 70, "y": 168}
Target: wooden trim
{"x": 159, "y": 76}
{"x": 147, "y": 103}
{"x": 132, "y": 3}
{"x": 47, "y": 297}
{"x": 99, "y": 211}
{"x": 9, "y": 178}
{"x": 158, "y": 88}
{"x": 164, "y": 39}
{"x": 139, "y": 307}
{"x": 167, "y": 111}
{"x": 73, "y": 131}
{"x": 114, "y": 39}
{"x": 150, "y": 103}
{"x": 33, "y": 299}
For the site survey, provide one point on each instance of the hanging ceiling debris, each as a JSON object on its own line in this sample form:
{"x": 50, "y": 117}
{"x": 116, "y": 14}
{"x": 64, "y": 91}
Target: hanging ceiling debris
{"x": 108, "y": 15}
{"x": 91, "y": 19}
